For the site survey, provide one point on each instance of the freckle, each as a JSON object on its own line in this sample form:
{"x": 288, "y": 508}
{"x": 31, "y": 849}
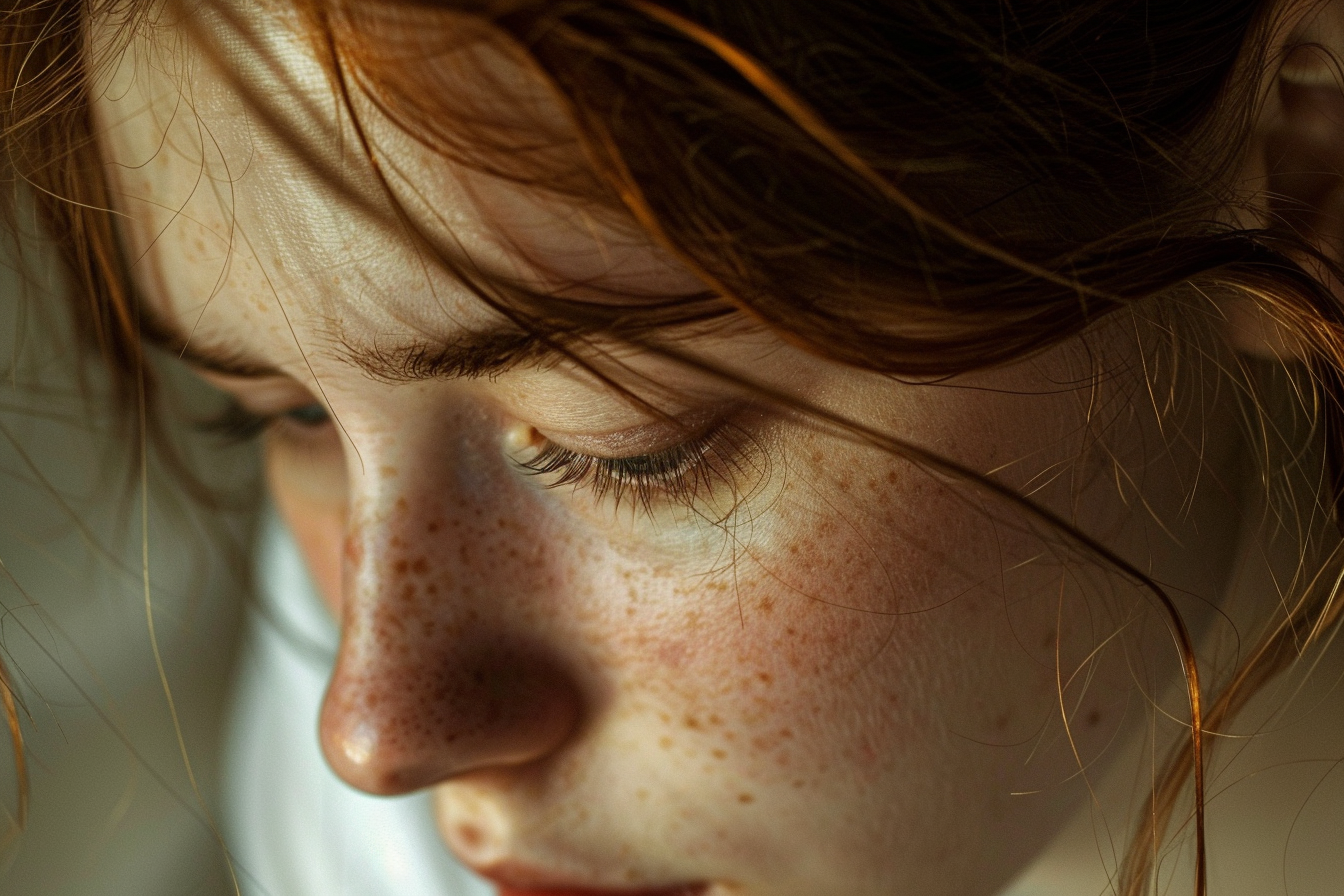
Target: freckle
{"x": 401, "y": 504}
{"x": 1093, "y": 717}
{"x": 400, "y": 567}
{"x": 1001, "y": 722}
{"x": 745, "y": 798}
{"x": 665, "y": 742}
{"x": 715, "y": 720}
{"x": 641, "y": 794}
{"x": 432, "y": 526}
{"x": 419, "y": 566}
{"x": 408, "y": 593}
{"x": 798, "y": 784}
{"x": 431, "y": 588}
{"x": 387, "y": 472}
{"x": 765, "y": 677}
{"x": 719, "y": 754}
{"x": 692, "y": 722}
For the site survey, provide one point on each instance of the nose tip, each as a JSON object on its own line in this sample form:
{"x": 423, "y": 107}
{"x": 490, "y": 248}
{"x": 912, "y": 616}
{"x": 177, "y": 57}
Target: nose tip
{"x": 390, "y": 729}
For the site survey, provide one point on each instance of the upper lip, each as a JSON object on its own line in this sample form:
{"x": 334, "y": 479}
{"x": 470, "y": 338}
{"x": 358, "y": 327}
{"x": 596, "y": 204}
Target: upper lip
{"x": 520, "y": 879}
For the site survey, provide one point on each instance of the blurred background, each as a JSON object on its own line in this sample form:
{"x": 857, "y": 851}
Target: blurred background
{"x": 111, "y": 807}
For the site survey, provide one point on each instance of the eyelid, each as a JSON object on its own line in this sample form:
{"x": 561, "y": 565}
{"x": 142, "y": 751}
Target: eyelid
{"x": 645, "y": 438}
{"x": 569, "y": 400}
{"x": 731, "y": 453}
{"x": 265, "y": 396}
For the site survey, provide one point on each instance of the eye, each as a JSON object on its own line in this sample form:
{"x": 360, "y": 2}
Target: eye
{"x": 685, "y": 473}
{"x": 308, "y": 415}
{"x": 237, "y": 424}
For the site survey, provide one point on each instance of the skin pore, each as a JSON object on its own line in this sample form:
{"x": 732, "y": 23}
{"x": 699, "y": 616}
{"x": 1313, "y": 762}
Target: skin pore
{"x": 784, "y": 661}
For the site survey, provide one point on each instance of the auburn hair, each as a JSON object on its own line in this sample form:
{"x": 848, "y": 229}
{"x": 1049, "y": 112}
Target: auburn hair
{"x": 916, "y": 188}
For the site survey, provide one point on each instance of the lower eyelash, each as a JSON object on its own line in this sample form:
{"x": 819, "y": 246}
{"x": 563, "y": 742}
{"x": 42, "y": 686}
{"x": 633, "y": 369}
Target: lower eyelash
{"x": 681, "y": 472}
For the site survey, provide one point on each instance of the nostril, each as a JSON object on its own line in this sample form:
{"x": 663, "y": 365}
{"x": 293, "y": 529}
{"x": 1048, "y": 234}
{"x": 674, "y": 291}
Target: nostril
{"x": 474, "y": 828}
{"x": 469, "y": 837}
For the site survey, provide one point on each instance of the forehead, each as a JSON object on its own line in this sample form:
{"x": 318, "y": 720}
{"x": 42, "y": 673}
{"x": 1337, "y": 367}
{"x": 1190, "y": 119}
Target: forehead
{"x": 253, "y": 215}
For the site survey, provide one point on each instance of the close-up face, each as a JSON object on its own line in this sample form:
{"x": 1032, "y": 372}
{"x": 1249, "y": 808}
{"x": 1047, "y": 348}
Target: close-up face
{"x": 641, "y": 623}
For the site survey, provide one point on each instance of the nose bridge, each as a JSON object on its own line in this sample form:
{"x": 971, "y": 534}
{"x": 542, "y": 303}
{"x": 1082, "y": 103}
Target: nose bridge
{"x": 443, "y": 668}
{"x": 439, "y": 510}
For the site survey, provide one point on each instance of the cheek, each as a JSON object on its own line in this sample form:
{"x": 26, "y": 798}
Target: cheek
{"x": 308, "y": 485}
{"x": 858, "y": 633}
{"x": 877, "y": 679}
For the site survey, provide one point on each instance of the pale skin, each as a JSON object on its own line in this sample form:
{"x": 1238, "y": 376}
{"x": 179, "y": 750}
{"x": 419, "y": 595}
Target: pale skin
{"x": 833, "y": 673}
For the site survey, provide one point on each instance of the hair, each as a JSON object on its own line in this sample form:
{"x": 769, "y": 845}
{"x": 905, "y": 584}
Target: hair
{"x": 916, "y": 188}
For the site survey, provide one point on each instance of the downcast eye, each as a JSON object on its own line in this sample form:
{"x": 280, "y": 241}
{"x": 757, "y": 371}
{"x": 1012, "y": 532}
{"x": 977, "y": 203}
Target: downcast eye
{"x": 308, "y": 415}
{"x": 729, "y": 454}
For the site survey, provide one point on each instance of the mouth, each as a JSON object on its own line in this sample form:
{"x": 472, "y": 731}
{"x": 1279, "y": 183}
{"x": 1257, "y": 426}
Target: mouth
{"x": 517, "y": 881}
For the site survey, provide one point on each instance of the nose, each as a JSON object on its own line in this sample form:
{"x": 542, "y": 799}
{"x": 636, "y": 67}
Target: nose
{"x": 445, "y": 666}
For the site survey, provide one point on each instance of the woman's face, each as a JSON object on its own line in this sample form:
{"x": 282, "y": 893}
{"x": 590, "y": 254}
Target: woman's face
{"x": 716, "y": 647}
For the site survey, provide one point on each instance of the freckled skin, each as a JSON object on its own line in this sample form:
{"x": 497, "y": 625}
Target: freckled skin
{"x": 469, "y": 669}
{"x": 836, "y": 691}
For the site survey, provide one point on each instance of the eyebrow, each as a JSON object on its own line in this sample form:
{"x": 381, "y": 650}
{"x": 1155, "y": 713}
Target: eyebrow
{"x": 480, "y": 354}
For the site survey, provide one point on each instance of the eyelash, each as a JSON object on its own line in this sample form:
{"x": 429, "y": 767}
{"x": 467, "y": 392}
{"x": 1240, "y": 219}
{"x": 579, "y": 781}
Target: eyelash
{"x": 680, "y": 474}
{"x": 236, "y": 425}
